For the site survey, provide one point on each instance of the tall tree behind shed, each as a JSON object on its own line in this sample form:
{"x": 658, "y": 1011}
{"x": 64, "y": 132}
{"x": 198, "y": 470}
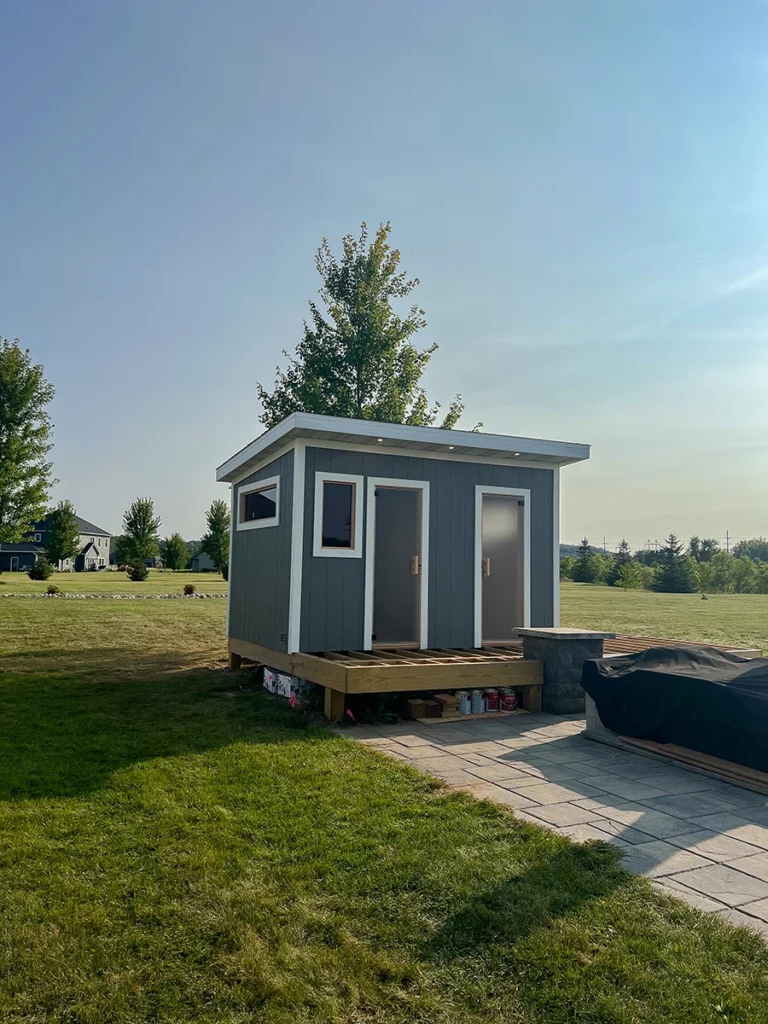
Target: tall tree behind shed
{"x": 674, "y": 572}
{"x": 357, "y": 357}
{"x": 25, "y": 440}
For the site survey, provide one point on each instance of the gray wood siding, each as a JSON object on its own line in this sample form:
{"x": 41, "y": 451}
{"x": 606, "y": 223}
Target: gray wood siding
{"x": 333, "y": 588}
{"x": 260, "y": 572}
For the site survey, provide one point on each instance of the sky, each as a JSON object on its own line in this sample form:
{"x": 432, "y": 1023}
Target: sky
{"x": 581, "y": 187}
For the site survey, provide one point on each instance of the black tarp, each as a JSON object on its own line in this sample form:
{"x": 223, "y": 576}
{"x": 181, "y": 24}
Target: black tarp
{"x": 696, "y": 697}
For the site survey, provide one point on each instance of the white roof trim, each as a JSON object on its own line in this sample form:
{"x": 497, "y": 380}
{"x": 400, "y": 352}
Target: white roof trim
{"x": 465, "y": 442}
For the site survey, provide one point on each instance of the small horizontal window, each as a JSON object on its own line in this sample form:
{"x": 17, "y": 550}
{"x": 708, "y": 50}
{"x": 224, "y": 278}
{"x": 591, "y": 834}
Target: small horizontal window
{"x": 258, "y": 504}
{"x": 338, "y": 515}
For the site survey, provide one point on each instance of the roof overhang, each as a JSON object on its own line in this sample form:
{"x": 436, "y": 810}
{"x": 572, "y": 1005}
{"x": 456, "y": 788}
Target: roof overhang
{"x": 311, "y": 426}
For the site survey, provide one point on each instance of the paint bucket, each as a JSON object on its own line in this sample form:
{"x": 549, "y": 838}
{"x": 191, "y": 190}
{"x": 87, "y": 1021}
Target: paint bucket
{"x": 478, "y": 702}
{"x": 507, "y": 700}
{"x": 464, "y": 702}
{"x": 492, "y": 700}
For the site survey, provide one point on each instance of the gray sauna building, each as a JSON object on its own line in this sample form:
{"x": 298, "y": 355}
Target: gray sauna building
{"x": 348, "y": 535}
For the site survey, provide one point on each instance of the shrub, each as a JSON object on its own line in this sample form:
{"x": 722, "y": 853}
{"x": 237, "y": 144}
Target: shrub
{"x": 52, "y": 589}
{"x": 137, "y": 573}
{"x": 189, "y": 589}
{"x": 92, "y": 568}
{"x": 41, "y": 570}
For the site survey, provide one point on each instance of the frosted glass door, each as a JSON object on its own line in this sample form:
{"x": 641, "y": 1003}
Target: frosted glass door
{"x": 397, "y": 566}
{"x": 502, "y": 567}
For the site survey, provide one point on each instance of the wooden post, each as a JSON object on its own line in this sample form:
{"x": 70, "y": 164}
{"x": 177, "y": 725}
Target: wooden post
{"x": 334, "y": 703}
{"x": 235, "y": 661}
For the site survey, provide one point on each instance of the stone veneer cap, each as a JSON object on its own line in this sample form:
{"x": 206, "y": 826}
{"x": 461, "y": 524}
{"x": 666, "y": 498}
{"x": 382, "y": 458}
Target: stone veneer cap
{"x": 565, "y": 633}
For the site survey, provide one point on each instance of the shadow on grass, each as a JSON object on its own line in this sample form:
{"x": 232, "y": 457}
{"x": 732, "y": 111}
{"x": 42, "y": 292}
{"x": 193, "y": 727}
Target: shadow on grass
{"x": 556, "y": 887}
{"x": 63, "y": 735}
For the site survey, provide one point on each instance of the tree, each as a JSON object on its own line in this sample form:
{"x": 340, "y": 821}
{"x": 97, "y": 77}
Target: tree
{"x": 41, "y": 570}
{"x": 215, "y": 541}
{"x": 25, "y": 440}
{"x": 702, "y": 550}
{"x": 141, "y": 525}
{"x": 567, "y": 565}
{"x": 357, "y": 357}
{"x": 744, "y": 575}
{"x": 756, "y": 548}
{"x": 721, "y": 570}
{"x": 674, "y": 574}
{"x": 63, "y": 533}
{"x": 622, "y": 557}
{"x": 584, "y": 570}
{"x": 630, "y": 576}
{"x": 175, "y": 552}
{"x": 119, "y": 550}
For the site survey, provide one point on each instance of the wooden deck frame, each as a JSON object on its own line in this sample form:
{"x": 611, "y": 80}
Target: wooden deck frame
{"x": 397, "y": 671}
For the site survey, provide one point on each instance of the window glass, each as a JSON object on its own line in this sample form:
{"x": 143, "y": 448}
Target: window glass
{"x": 260, "y": 505}
{"x": 338, "y": 514}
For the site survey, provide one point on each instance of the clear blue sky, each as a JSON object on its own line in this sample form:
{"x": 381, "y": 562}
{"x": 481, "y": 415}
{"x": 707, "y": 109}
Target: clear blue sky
{"x": 582, "y": 188}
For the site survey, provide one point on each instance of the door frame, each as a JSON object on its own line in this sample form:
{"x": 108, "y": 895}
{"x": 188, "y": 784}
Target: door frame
{"x": 14, "y": 568}
{"x": 512, "y": 492}
{"x": 372, "y": 483}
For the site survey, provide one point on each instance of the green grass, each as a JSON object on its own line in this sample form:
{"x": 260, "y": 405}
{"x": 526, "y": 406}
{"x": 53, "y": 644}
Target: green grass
{"x": 107, "y": 582}
{"x": 738, "y": 619}
{"x": 177, "y": 847}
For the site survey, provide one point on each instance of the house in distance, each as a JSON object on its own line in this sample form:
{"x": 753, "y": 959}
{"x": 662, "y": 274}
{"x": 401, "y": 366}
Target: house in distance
{"x": 93, "y": 549}
{"x": 354, "y": 535}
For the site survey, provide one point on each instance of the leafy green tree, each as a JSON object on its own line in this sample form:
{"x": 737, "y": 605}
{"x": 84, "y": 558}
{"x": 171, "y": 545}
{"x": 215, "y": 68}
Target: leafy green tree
{"x": 622, "y": 557}
{"x": 175, "y": 552}
{"x": 357, "y": 358}
{"x": 25, "y": 440}
{"x": 647, "y": 575}
{"x": 744, "y": 575}
{"x": 63, "y": 540}
{"x": 704, "y": 577}
{"x": 721, "y": 568}
{"x": 702, "y": 550}
{"x": 567, "y": 565}
{"x": 118, "y": 550}
{"x": 215, "y": 541}
{"x": 674, "y": 574}
{"x": 761, "y": 585}
{"x": 630, "y": 575}
{"x": 756, "y": 547}
{"x": 140, "y": 525}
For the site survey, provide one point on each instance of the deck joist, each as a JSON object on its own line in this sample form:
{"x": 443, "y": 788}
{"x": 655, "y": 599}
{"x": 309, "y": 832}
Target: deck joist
{"x": 392, "y": 670}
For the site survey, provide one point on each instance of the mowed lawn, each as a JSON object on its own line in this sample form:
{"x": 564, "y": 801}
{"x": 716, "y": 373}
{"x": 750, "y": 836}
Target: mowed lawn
{"x": 160, "y": 581}
{"x": 177, "y": 847}
{"x": 738, "y": 619}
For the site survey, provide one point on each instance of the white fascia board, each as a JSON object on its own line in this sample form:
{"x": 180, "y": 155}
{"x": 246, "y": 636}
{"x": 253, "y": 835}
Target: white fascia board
{"x": 305, "y": 424}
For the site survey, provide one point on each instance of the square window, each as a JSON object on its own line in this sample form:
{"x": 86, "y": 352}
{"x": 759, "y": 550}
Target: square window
{"x": 259, "y": 504}
{"x": 338, "y": 530}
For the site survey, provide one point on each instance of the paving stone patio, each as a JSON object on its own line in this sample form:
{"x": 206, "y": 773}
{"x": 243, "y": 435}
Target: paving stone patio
{"x": 696, "y": 838}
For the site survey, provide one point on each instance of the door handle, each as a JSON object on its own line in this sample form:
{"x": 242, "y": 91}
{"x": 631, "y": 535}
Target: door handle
{"x": 486, "y": 567}
{"x": 415, "y": 565}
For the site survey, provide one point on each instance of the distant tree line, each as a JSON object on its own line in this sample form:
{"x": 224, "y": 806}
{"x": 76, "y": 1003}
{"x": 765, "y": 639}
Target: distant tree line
{"x": 674, "y": 569}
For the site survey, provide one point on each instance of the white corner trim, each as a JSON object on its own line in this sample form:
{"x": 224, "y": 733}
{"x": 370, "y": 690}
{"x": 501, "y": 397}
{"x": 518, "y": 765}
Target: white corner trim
{"x": 232, "y": 513}
{"x": 514, "y": 492}
{"x": 259, "y": 485}
{"x": 297, "y": 549}
{"x": 556, "y": 546}
{"x": 356, "y": 551}
{"x": 370, "y": 535}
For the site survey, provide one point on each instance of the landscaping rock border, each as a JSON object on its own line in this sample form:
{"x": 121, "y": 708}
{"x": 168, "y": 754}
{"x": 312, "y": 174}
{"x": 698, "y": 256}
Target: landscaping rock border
{"x": 120, "y": 597}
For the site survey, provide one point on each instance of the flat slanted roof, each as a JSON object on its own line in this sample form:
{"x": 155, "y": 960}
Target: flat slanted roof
{"x": 400, "y": 435}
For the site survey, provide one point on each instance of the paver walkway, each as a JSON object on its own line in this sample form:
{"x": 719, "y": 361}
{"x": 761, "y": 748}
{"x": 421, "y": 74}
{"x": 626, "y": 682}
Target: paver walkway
{"x": 695, "y": 837}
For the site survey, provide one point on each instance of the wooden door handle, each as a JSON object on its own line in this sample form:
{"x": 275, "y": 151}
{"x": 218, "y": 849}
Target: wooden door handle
{"x": 486, "y": 567}
{"x": 415, "y": 565}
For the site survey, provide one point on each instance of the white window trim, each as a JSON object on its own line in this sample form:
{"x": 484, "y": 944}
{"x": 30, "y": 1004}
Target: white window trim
{"x": 259, "y": 485}
{"x": 38, "y": 538}
{"x": 370, "y": 536}
{"x": 318, "y": 551}
{"x": 524, "y": 494}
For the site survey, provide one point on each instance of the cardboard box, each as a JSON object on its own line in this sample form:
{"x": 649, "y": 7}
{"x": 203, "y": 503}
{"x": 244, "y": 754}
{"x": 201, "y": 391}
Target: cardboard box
{"x": 448, "y": 700}
{"x": 433, "y": 709}
{"x": 416, "y": 708}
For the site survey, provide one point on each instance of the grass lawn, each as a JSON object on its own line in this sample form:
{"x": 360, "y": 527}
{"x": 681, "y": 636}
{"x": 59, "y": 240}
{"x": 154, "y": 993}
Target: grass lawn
{"x": 738, "y": 619}
{"x": 160, "y": 581}
{"x": 176, "y": 847}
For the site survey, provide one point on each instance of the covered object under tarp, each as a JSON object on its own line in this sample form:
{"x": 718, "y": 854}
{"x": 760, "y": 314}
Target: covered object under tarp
{"x": 707, "y": 700}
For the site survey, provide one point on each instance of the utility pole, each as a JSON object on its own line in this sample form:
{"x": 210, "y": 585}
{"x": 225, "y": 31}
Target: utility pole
{"x": 605, "y": 549}
{"x": 727, "y": 543}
